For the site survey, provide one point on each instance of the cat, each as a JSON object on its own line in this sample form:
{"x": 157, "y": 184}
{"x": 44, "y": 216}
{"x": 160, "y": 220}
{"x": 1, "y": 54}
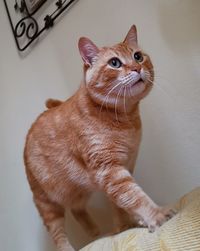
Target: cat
{"x": 90, "y": 142}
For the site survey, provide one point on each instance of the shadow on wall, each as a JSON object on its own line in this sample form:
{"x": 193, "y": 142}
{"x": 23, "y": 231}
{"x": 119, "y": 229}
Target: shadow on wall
{"x": 180, "y": 26}
{"x": 47, "y": 243}
{"x": 178, "y": 23}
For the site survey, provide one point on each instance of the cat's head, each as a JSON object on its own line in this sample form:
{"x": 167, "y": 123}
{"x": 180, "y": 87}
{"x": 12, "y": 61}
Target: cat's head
{"x": 119, "y": 75}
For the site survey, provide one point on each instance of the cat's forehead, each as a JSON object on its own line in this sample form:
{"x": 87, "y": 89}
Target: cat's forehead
{"x": 120, "y": 50}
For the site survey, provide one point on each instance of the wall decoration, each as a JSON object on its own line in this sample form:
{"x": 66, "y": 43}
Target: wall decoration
{"x": 31, "y": 18}
{"x": 33, "y": 4}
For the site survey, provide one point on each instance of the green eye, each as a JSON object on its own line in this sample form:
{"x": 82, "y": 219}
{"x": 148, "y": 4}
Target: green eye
{"x": 115, "y": 63}
{"x": 138, "y": 56}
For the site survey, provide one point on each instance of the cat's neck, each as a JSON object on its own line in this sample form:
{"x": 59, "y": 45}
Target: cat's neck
{"x": 119, "y": 116}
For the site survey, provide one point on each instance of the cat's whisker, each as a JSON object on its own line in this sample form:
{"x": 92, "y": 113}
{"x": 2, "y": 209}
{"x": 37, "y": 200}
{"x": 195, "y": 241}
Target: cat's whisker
{"x": 125, "y": 102}
{"x": 107, "y": 96}
{"x": 129, "y": 85}
{"x": 106, "y": 101}
{"x": 156, "y": 84}
{"x": 117, "y": 102}
{"x": 130, "y": 90}
{"x": 157, "y": 77}
{"x": 148, "y": 75}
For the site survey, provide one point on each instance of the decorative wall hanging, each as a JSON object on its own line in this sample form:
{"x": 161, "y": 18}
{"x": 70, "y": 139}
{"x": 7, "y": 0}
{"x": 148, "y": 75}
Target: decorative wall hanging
{"x": 31, "y": 18}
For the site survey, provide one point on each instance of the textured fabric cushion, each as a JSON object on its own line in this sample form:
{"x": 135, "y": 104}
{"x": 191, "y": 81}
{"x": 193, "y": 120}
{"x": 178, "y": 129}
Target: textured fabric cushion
{"x": 181, "y": 233}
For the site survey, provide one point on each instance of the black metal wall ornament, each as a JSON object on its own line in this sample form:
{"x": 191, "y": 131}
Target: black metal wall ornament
{"x": 27, "y": 28}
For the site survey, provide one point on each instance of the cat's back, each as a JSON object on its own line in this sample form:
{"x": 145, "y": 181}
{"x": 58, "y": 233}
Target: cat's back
{"x": 53, "y": 119}
{"x": 47, "y": 132}
{"x": 44, "y": 124}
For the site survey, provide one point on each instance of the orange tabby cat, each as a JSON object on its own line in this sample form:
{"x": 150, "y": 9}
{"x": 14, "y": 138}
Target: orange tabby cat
{"x": 90, "y": 142}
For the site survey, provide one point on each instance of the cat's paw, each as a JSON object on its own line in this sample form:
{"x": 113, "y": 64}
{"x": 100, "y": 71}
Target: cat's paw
{"x": 158, "y": 218}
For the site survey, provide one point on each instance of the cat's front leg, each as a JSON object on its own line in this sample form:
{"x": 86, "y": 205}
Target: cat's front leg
{"x": 121, "y": 188}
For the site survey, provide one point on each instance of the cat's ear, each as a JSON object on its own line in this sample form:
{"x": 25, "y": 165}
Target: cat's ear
{"x": 88, "y": 50}
{"x": 131, "y": 37}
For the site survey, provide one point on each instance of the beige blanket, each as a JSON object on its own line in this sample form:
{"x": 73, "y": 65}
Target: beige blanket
{"x": 181, "y": 233}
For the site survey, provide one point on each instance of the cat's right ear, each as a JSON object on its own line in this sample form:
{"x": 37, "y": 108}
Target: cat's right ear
{"x": 88, "y": 50}
{"x": 131, "y": 37}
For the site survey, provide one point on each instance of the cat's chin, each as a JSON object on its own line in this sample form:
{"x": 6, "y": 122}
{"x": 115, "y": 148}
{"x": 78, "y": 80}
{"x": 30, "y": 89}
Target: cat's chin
{"x": 137, "y": 87}
{"x": 137, "y": 82}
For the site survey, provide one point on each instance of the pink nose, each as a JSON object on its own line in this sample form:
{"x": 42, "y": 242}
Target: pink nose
{"x": 136, "y": 68}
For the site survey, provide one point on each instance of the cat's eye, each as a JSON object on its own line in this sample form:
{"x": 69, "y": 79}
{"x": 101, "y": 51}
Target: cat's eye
{"x": 138, "y": 56}
{"x": 115, "y": 63}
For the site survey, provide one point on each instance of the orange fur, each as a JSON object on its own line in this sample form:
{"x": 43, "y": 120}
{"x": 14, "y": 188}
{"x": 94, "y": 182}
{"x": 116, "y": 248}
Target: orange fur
{"x": 90, "y": 142}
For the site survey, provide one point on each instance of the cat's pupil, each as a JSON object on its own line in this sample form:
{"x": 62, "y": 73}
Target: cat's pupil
{"x": 115, "y": 62}
{"x": 138, "y": 56}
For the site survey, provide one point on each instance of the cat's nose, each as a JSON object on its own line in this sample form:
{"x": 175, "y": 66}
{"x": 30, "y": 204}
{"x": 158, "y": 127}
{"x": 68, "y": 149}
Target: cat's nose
{"x": 136, "y": 68}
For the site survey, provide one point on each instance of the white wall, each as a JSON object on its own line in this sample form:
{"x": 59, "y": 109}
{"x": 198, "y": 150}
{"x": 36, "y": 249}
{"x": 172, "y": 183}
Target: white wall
{"x": 168, "y": 164}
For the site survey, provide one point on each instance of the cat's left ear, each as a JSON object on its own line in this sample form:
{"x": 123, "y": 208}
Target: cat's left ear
{"x": 131, "y": 37}
{"x": 88, "y": 50}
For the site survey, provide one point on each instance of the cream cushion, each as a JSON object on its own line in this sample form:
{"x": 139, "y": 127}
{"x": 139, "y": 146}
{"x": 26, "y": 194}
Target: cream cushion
{"x": 181, "y": 233}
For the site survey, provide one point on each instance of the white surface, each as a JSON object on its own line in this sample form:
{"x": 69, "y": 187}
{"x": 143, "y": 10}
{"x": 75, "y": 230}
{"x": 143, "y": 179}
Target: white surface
{"x": 168, "y": 164}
